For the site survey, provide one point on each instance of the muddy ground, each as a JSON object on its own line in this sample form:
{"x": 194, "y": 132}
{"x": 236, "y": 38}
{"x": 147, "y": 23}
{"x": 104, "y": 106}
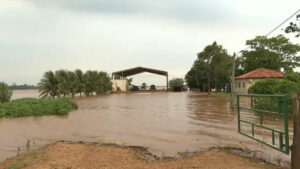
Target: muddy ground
{"x": 91, "y": 156}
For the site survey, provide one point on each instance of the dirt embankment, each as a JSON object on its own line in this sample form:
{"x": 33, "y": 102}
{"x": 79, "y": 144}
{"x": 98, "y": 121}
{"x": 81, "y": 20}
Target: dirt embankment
{"x": 91, "y": 156}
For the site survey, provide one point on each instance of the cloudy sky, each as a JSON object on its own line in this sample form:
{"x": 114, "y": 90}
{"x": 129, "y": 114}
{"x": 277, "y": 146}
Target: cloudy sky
{"x": 111, "y": 35}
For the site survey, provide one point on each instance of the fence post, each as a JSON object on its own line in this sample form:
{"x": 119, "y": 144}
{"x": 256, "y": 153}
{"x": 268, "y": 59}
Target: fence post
{"x": 296, "y": 135}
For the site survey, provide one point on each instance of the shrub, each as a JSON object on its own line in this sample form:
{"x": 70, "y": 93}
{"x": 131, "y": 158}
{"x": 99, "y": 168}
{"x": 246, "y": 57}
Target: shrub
{"x": 36, "y": 107}
{"x": 152, "y": 87}
{"x": 5, "y": 93}
{"x": 176, "y": 84}
{"x": 267, "y": 86}
{"x": 289, "y": 84}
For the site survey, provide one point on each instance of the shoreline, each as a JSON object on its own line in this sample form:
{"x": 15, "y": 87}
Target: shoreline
{"x": 141, "y": 154}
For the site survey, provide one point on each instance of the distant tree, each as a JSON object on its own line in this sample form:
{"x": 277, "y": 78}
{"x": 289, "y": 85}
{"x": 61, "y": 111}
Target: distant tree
{"x": 294, "y": 27}
{"x": 211, "y": 68}
{"x": 176, "y": 84}
{"x": 144, "y": 85}
{"x": 14, "y": 86}
{"x": 5, "y": 93}
{"x": 48, "y": 86}
{"x": 273, "y": 53}
{"x": 152, "y": 87}
{"x": 129, "y": 81}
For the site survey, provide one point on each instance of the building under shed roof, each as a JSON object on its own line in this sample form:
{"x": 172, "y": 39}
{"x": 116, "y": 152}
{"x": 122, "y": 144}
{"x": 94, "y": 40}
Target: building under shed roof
{"x": 119, "y": 77}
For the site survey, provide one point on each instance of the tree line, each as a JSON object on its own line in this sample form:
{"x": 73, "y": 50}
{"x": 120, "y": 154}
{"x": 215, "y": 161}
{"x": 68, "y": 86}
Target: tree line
{"x": 69, "y": 83}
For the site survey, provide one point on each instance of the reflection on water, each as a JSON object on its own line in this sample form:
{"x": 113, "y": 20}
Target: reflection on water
{"x": 167, "y": 123}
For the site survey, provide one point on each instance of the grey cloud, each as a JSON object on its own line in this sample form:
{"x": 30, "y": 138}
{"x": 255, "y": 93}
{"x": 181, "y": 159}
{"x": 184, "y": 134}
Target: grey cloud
{"x": 184, "y": 10}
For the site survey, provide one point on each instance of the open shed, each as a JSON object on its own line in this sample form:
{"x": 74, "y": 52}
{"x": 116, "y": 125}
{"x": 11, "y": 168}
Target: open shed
{"x": 121, "y": 75}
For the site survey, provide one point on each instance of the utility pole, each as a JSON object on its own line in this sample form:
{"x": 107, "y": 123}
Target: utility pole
{"x": 296, "y": 137}
{"x": 232, "y": 82}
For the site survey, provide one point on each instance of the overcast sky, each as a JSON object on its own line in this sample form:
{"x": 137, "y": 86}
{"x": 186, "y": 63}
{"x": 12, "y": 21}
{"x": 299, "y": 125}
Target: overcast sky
{"x": 111, "y": 35}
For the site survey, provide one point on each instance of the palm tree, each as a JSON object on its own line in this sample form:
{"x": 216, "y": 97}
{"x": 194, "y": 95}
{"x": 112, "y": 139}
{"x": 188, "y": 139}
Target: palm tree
{"x": 63, "y": 82}
{"x": 79, "y": 81}
{"x": 48, "y": 85}
{"x": 72, "y": 81}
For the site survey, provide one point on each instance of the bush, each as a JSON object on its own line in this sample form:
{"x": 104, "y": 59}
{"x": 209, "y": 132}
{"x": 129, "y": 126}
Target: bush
{"x": 152, "y": 87}
{"x": 36, "y": 107}
{"x": 5, "y": 93}
{"x": 289, "y": 84}
{"x": 267, "y": 86}
{"x": 176, "y": 84}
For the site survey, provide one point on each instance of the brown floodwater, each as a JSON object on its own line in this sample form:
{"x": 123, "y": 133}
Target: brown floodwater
{"x": 167, "y": 123}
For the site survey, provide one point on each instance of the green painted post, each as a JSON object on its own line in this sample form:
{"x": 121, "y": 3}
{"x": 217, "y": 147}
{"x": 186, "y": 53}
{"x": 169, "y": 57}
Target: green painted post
{"x": 273, "y": 138}
{"x": 238, "y": 110}
{"x": 280, "y": 141}
{"x": 286, "y": 125}
{"x": 296, "y": 138}
{"x": 252, "y": 130}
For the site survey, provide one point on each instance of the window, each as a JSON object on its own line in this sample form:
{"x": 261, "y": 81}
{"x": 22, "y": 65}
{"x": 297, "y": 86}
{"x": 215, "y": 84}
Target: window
{"x": 239, "y": 84}
{"x": 244, "y": 85}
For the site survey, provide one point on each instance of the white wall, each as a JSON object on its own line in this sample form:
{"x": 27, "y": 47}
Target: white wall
{"x": 121, "y": 83}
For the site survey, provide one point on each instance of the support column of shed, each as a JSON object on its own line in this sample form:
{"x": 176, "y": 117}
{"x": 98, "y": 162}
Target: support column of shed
{"x": 167, "y": 77}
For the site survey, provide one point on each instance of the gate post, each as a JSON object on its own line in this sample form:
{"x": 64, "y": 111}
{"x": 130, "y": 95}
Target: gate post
{"x": 296, "y": 135}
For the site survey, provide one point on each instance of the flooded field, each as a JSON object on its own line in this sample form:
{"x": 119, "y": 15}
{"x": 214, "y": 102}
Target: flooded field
{"x": 166, "y": 123}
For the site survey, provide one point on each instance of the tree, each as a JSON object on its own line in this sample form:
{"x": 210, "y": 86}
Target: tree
{"x": 64, "y": 83}
{"x": 69, "y": 83}
{"x": 79, "y": 81}
{"x": 48, "y": 85}
{"x": 144, "y": 85}
{"x": 176, "y": 84}
{"x": 273, "y": 53}
{"x": 211, "y": 68}
{"x": 294, "y": 27}
{"x": 5, "y": 93}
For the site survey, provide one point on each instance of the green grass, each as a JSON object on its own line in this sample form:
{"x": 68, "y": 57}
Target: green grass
{"x": 221, "y": 94}
{"x": 18, "y": 165}
{"x": 36, "y": 107}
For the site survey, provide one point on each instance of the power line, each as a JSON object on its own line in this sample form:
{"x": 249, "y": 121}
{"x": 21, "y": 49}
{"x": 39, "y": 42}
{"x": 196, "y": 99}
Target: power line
{"x": 282, "y": 23}
{"x": 275, "y": 27}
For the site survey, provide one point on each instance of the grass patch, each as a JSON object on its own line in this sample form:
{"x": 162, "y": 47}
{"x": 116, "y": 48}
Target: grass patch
{"x": 18, "y": 165}
{"x": 36, "y": 107}
{"x": 221, "y": 94}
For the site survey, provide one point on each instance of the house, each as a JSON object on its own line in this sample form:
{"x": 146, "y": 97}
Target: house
{"x": 245, "y": 81}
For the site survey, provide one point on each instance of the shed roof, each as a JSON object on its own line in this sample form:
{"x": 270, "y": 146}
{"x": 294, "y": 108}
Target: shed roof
{"x": 137, "y": 70}
{"x": 261, "y": 73}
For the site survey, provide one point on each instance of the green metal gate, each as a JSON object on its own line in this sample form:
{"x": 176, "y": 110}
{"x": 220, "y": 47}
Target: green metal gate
{"x": 263, "y": 104}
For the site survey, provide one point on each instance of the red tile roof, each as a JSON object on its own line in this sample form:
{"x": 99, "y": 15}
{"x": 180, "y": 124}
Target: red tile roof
{"x": 261, "y": 73}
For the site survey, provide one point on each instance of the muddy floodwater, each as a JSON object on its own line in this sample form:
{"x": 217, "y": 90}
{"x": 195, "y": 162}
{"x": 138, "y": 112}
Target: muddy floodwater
{"x": 167, "y": 123}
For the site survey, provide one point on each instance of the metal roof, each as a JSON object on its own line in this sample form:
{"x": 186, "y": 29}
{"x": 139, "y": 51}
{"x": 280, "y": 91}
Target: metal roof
{"x": 137, "y": 70}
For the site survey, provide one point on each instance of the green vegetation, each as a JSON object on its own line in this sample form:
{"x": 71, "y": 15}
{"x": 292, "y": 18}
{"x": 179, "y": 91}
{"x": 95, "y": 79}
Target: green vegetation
{"x": 273, "y": 53}
{"x": 176, "y": 84}
{"x": 290, "y": 83}
{"x": 294, "y": 27}
{"x": 221, "y": 94}
{"x": 18, "y": 165}
{"x": 144, "y": 85}
{"x": 5, "y": 93}
{"x": 67, "y": 83}
{"x": 212, "y": 69}
{"x": 22, "y": 87}
{"x": 36, "y": 107}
